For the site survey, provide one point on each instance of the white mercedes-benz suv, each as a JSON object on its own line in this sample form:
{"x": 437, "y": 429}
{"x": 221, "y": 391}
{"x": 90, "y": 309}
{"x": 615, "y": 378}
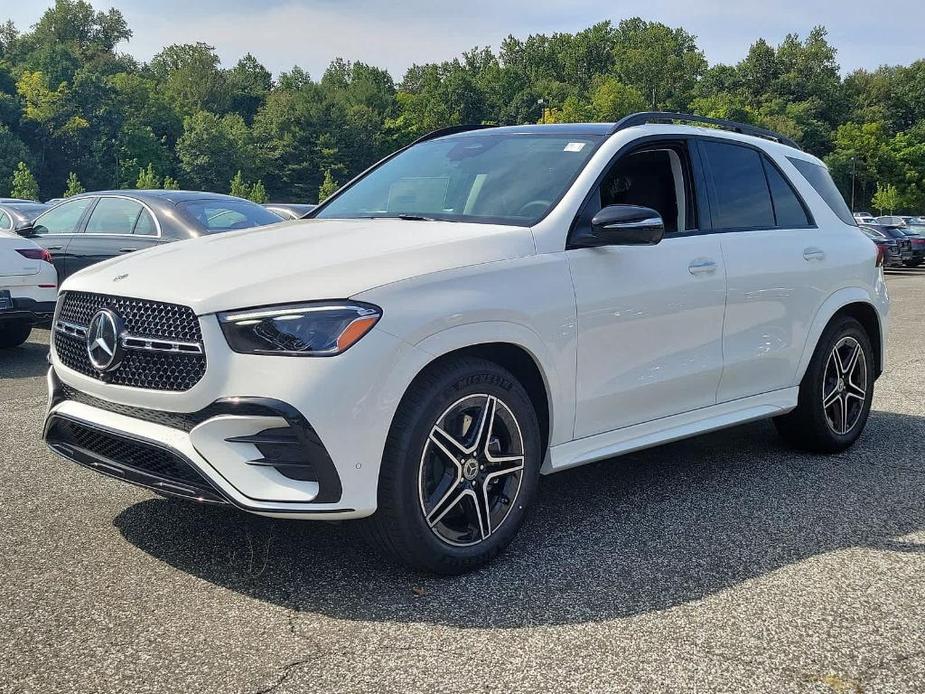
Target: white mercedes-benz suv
{"x": 482, "y": 307}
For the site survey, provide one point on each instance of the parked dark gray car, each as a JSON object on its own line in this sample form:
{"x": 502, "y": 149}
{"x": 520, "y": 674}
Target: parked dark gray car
{"x": 290, "y": 210}
{"x": 15, "y": 215}
{"x": 91, "y": 227}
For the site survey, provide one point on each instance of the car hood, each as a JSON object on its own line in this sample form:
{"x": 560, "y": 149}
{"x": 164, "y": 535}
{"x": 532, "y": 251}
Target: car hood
{"x": 299, "y": 261}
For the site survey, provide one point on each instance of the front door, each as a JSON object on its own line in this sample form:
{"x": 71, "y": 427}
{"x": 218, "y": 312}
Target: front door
{"x": 650, "y": 318}
{"x": 116, "y": 226}
{"x": 54, "y": 230}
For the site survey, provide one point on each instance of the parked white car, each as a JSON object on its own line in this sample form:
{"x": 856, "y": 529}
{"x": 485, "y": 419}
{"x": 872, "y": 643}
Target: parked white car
{"x": 482, "y": 307}
{"x": 28, "y": 288}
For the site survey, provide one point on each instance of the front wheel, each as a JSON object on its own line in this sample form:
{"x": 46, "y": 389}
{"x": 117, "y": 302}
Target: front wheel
{"x": 836, "y": 392}
{"x": 460, "y": 468}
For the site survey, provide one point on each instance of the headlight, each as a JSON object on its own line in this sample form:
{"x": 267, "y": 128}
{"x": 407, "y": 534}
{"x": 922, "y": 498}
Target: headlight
{"x": 302, "y": 330}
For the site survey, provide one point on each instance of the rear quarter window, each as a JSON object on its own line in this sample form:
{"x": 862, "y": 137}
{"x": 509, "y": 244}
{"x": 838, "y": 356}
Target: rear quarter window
{"x": 227, "y": 215}
{"x": 819, "y": 178}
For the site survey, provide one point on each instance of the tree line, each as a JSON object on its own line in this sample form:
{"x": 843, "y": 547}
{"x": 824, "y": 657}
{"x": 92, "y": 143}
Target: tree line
{"x": 77, "y": 114}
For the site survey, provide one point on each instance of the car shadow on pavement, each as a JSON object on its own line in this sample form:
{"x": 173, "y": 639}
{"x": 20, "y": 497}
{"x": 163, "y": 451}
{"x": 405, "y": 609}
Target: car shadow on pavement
{"x": 631, "y": 535}
{"x": 26, "y": 361}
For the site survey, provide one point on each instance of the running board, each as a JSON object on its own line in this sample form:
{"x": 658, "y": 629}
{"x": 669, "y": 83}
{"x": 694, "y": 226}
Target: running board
{"x": 668, "y": 429}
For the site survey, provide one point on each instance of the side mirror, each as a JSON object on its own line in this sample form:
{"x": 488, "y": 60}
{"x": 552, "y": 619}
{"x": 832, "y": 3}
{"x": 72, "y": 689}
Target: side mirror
{"x": 27, "y": 229}
{"x": 626, "y": 225}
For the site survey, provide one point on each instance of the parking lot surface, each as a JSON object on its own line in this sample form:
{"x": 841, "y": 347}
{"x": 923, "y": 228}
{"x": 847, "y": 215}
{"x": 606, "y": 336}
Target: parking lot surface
{"x": 723, "y": 563}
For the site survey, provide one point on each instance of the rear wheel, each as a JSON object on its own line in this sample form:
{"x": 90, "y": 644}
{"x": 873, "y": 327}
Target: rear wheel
{"x": 14, "y": 333}
{"x": 836, "y": 392}
{"x": 460, "y": 468}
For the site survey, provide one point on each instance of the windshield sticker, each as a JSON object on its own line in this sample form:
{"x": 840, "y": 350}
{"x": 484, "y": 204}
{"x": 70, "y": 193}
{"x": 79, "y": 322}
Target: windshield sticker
{"x": 574, "y": 147}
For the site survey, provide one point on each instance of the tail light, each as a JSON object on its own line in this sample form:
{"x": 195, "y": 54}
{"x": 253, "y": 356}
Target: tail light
{"x": 35, "y": 254}
{"x": 881, "y": 251}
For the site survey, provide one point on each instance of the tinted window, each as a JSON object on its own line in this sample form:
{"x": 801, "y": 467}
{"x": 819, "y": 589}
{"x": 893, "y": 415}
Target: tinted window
{"x": 819, "y": 178}
{"x": 62, "y": 219}
{"x": 742, "y": 197}
{"x": 113, "y": 216}
{"x": 225, "y": 215}
{"x": 479, "y": 177}
{"x": 5, "y": 221}
{"x": 145, "y": 225}
{"x": 788, "y": 210}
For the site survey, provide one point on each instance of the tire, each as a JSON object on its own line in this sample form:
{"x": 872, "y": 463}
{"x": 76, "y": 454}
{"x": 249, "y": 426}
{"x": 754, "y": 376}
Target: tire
{"x": 427, "y": 515}
{"x": 912, "y": 263}
{"x": 14, "y": 334}
{"x": 839, "y": 380}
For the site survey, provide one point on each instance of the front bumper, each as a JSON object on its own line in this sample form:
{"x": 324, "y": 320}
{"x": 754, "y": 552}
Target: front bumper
{"x": 260, "y": 445}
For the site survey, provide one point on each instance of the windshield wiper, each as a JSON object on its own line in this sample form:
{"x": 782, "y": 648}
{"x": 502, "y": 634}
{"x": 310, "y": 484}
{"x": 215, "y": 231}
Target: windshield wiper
{"x": 415, "y": 218}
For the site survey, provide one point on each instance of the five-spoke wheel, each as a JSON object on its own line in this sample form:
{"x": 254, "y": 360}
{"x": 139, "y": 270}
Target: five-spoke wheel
{"x": 836, "y": 391}
{"x": 460, "y": 467}
{"x": 844, "y": 387}
{"x": 471, "y": 469}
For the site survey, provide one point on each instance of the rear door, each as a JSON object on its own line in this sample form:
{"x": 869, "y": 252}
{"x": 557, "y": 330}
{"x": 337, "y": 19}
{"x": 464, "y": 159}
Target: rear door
{"x": 55, "y": 229}
{"x": 116, "y": 226}
{"x": 778, "y": 267}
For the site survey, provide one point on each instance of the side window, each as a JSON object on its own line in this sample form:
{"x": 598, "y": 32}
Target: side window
{"x": 62, "y": 219}
{"x": 742, "y": 199}
{"x": 788, "y": 210}
{"x": 145, "y": 225}
{"x": 658, "y": 177}
{"x": 113, "y": 216}
{"x": 819, "y": 178}
{"x": 5, "y": 221}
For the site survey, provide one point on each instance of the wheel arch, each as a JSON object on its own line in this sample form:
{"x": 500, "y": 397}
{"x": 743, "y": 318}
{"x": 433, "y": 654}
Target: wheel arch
{"x": 513, "y": 347}
{"x": 854, "y": 302}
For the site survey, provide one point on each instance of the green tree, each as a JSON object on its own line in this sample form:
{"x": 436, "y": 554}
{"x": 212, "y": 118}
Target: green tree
{"x": 328, "y": 187}
{"x": 886, "y": 198}
{"x": 258, "y": 193}
{"x": 239, "y": 187}
{"x": 74, "y": 186}
{"x": 213, "y": 148}
{"x": 148, "y": 179}
{"x": 170, "y": 184}
{"x": 24, "y": 184}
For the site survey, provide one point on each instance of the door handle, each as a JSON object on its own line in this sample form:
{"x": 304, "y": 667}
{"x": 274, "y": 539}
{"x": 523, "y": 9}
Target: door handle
{"x": 813, "y": 253}
{"x": 127, "y": 250}
{"x": 702, "y": 266}
{"x": 53, "y": 248}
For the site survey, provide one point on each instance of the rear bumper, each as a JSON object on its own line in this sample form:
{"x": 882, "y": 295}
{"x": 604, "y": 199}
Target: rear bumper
{"x": 227, "y": 453}
{"x": 24, "y": 308}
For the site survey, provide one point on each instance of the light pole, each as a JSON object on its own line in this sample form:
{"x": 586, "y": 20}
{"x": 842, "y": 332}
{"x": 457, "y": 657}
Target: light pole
{"x": 542, "y": 104}
{"x": 854, "y": 170}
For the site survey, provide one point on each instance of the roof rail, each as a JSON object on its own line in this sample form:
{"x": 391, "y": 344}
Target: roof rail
{"x": 669, "y": 117}
{"x": 451, "y": 130}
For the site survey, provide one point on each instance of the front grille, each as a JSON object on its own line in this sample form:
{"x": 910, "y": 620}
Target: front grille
{"x": 126, "y": 452}
{"x": 140, "y": 368}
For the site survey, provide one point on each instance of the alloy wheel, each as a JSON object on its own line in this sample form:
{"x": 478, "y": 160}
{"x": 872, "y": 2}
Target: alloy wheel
{"x": 844, "y": 385}
{"x": 471, "y": 470}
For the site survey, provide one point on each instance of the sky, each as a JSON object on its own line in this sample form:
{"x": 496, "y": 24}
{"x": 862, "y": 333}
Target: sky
{"x": 397, "y": 34}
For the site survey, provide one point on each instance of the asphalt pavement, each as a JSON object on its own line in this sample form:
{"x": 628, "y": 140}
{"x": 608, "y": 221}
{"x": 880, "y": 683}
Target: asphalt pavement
{"x": 725, "y": 563}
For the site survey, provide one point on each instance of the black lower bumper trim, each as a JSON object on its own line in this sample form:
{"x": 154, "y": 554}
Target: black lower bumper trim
{"x": 127, "y": 458}
{"x": 313, "y": 463}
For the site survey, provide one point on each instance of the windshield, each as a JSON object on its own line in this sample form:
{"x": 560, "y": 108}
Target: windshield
{"x": 503, "y": 178}
{"x": 227, "y": 214}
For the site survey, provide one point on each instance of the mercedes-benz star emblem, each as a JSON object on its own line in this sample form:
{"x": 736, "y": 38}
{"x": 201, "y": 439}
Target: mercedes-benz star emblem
{"x": 103, "y": 345}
